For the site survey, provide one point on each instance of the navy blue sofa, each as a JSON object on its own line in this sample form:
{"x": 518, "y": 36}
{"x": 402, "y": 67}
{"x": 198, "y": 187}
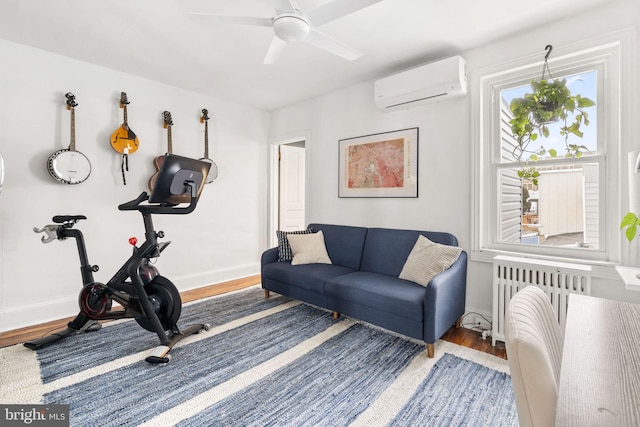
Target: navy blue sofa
{"x": 362, "y": 281}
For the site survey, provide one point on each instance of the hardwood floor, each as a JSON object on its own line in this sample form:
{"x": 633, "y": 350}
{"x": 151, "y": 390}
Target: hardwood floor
{"x": 460, "y": 336}
{"x": 474, "y": 340}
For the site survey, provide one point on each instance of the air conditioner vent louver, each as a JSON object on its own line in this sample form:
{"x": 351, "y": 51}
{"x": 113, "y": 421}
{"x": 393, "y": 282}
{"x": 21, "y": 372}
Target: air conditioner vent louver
{"x": 408, "y": 103}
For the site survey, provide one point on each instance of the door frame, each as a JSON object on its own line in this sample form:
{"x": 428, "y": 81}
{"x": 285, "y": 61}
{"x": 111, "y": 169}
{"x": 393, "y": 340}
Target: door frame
{"x": 274, "y": 190}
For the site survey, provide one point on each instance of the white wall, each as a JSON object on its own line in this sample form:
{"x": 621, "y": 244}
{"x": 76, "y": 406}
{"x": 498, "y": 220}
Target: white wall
{"x": 444, "y": 201}
{"x": 351, "y": 113}
{"x": 221, "y": 240}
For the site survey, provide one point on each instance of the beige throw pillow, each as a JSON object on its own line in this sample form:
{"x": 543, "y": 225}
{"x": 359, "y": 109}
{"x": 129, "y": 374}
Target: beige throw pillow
{"x": 308, "y": 249}
{"x": 427, "y": 259}
{"x": 284, "y": 249}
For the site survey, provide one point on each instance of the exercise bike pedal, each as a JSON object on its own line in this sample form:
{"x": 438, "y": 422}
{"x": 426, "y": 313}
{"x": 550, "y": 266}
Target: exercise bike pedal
{"x": 160, "y": 354}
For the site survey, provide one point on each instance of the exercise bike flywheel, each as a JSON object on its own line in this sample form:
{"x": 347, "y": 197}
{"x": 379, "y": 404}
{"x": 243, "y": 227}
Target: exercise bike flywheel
{"x": 94, "y": 301}
{"x": 166, "y": 302}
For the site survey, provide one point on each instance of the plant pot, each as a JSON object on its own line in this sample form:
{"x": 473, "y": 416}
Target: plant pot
{"x": 547, "y": 107}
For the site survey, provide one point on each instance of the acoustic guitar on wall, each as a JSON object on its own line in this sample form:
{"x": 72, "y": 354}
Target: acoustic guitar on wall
{"x": 158, "y": 161}
{"x": 124, "y": 140}
{"x": 213, "y": 171}
{"x": 69, "y": 166}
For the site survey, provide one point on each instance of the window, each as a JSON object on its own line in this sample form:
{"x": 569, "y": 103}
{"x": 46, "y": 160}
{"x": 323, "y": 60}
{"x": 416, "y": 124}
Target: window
{"x": 560, "y": 206}
{"x": 566, "y": 211}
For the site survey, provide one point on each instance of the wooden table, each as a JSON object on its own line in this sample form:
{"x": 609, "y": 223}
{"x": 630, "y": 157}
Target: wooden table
{"x": 600, "y": 374}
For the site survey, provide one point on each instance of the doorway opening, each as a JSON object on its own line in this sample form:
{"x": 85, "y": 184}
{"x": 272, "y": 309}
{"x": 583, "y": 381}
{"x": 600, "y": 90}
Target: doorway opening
{"x": 288, "y": 180}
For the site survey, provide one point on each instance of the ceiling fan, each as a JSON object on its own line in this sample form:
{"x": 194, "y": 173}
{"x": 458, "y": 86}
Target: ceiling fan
{"x": 291, "y": 24}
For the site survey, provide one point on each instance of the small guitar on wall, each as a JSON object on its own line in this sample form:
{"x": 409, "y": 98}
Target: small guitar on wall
{"x": 158, "y": 161}
{"x": 69, "y": 166}
{"x": 213, "y": 171}
{"x": 124, "y": 140}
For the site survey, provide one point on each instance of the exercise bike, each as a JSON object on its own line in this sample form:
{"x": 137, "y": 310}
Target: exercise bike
{"x": 142, "y": 293}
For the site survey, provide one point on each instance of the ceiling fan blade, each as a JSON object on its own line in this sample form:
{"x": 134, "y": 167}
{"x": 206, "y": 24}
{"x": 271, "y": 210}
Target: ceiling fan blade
{"x": 274, "y": 51}
{"x": 331, "y": 45}
{"x": 228, "y": 19}
{"x": 282, "y": 6}
{"x": 336, "y": 9}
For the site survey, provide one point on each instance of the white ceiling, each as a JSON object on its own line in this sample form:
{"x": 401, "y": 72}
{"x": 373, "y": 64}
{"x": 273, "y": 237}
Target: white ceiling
{"x": 156, "y": 39}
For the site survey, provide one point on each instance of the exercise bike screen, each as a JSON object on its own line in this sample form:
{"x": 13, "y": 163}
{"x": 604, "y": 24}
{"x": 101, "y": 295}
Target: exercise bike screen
{"x": 174, "y": 173}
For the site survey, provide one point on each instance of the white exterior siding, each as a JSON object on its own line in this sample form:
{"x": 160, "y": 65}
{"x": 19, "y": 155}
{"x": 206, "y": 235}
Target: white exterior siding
{"x": 510, "y": 194}
{"x": 591, "y": 206}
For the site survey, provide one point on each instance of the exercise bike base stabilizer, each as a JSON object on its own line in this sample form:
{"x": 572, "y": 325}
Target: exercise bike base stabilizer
{"x": 137, "y": 287}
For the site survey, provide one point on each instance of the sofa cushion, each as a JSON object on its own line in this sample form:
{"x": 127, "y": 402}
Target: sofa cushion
{"x": 380, "y": 292}
{"x": 308, "y": 276}
{"x": 284, "y": 248}
{"x": 386, "y": 250}
{"x": 308, "y": 249}
{"x": 344, "y": 243}
{"x": 427, "y": 259}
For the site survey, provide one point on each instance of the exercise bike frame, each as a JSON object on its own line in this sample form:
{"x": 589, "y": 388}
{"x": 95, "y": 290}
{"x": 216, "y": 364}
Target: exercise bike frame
{"x": 135, "y": 302}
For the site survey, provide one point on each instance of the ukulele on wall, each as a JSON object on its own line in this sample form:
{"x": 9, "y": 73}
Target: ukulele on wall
{"x": 213, "y": 171}
{"x": 69, "y": 166}
{"x": 124, "y": 140}
{"x": 158, "y": 161}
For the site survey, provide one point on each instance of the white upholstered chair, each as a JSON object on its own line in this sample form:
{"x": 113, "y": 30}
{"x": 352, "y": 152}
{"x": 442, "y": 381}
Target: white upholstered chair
{"x": 534, "y": 348}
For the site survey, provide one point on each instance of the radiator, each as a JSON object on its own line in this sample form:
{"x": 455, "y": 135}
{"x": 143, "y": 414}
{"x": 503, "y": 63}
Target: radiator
{"x": 557, "y": 279}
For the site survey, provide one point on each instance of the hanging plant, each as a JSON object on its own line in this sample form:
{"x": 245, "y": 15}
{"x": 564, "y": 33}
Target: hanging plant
{"x": 631, "y": 222}
{"x": 550, "y": 101}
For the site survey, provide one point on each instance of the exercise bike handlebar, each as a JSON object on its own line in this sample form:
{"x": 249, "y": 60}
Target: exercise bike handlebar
{"x": 51, "y": 231}
{"x": 135, "y": 205}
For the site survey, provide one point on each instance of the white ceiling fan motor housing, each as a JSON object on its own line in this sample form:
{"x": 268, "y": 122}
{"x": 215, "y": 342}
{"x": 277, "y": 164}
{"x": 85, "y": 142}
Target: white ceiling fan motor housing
{"x": 290, "y": 27}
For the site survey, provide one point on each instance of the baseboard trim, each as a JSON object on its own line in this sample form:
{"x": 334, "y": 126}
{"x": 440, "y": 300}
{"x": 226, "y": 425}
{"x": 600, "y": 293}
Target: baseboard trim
{"x": 26, "y": 333}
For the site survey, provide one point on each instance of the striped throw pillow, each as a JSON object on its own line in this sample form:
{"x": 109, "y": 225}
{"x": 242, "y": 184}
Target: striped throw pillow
{"x": 427, "y": 259}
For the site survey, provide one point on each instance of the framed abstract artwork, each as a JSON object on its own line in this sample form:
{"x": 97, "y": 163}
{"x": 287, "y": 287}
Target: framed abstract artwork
{"x": 379, "y": 165}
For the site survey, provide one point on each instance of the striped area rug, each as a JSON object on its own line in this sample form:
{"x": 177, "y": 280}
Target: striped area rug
{"x": 272, "y": 362}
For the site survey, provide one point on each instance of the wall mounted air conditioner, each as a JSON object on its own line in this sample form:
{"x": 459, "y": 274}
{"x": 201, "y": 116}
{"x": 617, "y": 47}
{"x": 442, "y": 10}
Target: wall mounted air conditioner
{"x": 426, "y": 84}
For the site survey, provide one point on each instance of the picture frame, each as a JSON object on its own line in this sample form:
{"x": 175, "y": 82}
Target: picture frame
{"x": 379, "y": 165}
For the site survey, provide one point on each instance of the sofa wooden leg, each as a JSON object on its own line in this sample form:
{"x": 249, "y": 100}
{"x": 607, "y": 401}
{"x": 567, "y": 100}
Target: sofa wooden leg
{"x": 266, "y": 294}
{"x": 336, "y": 315}
{"x": 459, "y": 323}
{"x": 431, "y": 350}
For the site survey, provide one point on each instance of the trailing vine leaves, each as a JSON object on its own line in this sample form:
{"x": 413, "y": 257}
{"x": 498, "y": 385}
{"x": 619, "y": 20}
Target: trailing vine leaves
{"x": 550, "y": 101}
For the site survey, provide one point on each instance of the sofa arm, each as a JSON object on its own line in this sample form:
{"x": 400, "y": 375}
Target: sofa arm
{"x": 444, "y": 301}
{"x": 269, "y": 256}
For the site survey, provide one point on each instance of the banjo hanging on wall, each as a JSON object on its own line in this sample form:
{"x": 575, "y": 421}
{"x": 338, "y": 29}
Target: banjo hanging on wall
{"x": 69, "y": 166}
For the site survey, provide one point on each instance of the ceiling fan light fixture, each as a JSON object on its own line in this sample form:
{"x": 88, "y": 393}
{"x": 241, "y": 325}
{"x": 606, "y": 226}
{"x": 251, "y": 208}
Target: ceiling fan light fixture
{"x": 290, "y": 27}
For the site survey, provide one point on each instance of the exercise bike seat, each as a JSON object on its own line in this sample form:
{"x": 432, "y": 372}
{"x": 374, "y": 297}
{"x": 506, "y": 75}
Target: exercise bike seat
{"x": 61, "y": 219}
